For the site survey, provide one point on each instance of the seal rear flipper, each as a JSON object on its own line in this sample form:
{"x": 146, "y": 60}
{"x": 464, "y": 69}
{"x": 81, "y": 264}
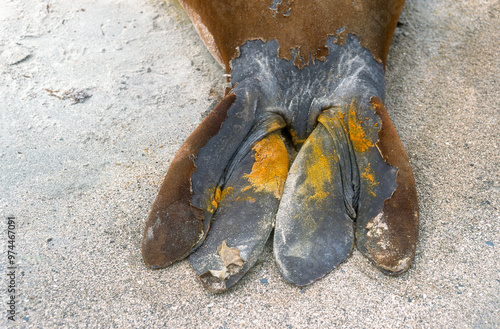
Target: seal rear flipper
{"x": 174, "y": 226}
{"x": 387, "y": 223}
{"x": 314, "y": 229}
{"x": 244, "y": 217}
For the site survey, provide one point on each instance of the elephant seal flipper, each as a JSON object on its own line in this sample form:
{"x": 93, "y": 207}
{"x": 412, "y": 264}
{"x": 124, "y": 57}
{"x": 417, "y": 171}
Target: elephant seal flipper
{"x": 308, "y": 77}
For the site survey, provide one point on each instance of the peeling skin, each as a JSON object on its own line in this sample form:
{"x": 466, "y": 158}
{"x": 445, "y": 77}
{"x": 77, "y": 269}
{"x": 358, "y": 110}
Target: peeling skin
{"x": 349, "y": 37}
{"x": 284, "y": 7}
{"x": 392, "y": 234}
{"x": 298, "y": 61}
{"x": 231, "y": 258}
{"x": 232, "y": 265}
{"x": 227, "y": 24}
{"x": 215, "y": 281}
{"x": 377, "y": 237}
{"x": 376, "y": 228}
{"x": 222, "y": 275}
{"x": 271, "y": 166}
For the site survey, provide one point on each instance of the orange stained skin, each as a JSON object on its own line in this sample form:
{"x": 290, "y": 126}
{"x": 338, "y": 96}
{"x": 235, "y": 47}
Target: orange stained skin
{"x": 219, "y": 195}
{"x": 275, "y": 125}
{"x": 271, "y": 166}
{"x": 319, "y": 171}
{"x": 369, "y": 175}
{"x": 247, "y": 198}
{"x": 295, "y": 139}
{"x": 358, "y": 136}
{"x": 303, "y": 26}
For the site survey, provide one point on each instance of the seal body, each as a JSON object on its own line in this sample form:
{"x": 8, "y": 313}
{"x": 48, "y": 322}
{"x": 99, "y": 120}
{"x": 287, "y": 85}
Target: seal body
{"x": 302, "y": 26}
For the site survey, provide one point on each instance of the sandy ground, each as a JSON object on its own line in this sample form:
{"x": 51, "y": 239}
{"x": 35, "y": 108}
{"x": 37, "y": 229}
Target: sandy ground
{"x": 97, "y": 96}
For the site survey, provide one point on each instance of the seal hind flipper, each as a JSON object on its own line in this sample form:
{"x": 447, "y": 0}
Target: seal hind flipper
{"x": 244, "y": 217}
{"x": 240, "y": 177}
{"x": 314, "y": 225}
{"x": 388, "y": 237}
{"x": 325, "y": 95}
{"x": 175, "y": 227}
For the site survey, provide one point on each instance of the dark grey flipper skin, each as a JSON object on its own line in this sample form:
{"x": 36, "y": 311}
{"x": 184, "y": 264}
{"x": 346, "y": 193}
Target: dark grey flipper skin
{"x": 314, "y": 229}
{"x": 340, "y": 187}
{"x": 236, "y": 190}
{"x": 243, "y": 220}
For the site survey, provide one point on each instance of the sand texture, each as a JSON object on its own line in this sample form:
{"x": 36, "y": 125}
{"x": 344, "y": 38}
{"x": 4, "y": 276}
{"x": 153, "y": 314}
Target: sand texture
{"x": 97, "y": 96}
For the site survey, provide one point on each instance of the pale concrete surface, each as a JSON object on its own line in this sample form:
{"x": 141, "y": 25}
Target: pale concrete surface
{"x": 80, "y": 178}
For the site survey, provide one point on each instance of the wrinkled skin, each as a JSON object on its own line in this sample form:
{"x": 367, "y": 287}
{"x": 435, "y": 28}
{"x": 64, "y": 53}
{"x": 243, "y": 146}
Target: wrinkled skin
{"x": 302, "y": 143}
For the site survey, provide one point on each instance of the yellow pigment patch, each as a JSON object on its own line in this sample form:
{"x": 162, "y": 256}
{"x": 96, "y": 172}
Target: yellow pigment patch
{"x": 247, "y": 198}
{"x": 212, "y": 204}
{"x": 216, "y": 200}
{"x": 358, "y": 136}
{"x": 295, "y": 139}
{"x": 369, "y": 175}
{"x": 275, "y": 125}
{"x": 318, "y": 171}
{"x": 271, "y": 166}
{"x": 219, "y": 195}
